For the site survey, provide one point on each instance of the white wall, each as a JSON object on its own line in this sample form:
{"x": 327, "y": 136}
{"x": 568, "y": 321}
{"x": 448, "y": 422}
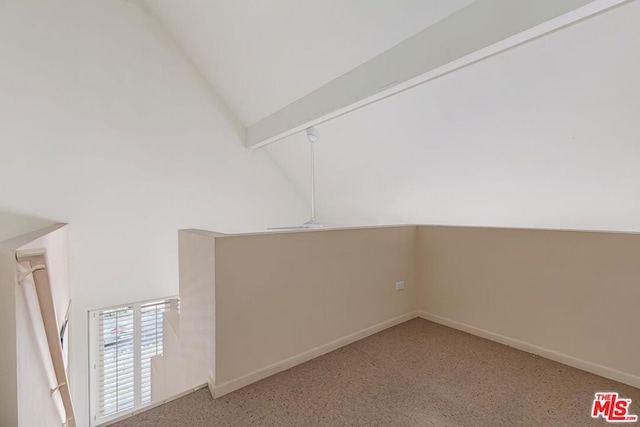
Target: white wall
{"x": 107, "y": 127}
{"x": 544, "y": 135}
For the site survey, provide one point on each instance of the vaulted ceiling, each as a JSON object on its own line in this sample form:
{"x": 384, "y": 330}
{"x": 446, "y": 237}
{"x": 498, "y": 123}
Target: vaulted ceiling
{"x": 261, "y": 55}
{"x": 542, "y": 135}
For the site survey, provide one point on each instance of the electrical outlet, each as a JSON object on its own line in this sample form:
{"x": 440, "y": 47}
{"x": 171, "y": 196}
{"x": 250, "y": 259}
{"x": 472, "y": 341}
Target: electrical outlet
{"x": 399, "y": 285}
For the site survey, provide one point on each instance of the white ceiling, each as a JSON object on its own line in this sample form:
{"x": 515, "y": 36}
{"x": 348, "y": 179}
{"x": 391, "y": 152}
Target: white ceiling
{"x": 261, "y": 55}
{"x": 544, "y": 135}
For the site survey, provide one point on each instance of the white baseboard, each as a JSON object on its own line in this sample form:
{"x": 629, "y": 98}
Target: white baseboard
{"x": 211, "y": 384}
{"x": 235, "y": 384}
{"x": 591, "y": 367}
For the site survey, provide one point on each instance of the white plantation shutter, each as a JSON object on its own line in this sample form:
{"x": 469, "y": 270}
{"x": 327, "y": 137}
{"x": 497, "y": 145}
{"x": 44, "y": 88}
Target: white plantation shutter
{"x": 115, "y": 361}
{"x": 150, "y": 343}
{"x": 126, "y": 339}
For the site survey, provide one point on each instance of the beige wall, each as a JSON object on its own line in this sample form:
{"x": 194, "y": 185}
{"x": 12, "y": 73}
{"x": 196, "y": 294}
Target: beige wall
{"x": 283, "y": 298}
{"x": 8, "y": 363}
{"x": 187, "y": 358}
{"x": 13, "y": 225}
{"x": 573, "y": 294}
{"x": 197, "y": 274}
{"x": 282, "y": 295}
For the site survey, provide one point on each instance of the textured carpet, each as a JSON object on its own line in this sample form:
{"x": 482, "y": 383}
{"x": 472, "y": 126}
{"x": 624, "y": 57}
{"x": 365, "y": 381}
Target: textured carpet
{"x": 416, "y": 374}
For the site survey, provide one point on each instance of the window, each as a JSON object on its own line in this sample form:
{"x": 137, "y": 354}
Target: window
{"x": 122, "y": 342}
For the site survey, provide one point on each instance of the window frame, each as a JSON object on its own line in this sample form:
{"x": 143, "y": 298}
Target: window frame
{"x": 94, "y": 350}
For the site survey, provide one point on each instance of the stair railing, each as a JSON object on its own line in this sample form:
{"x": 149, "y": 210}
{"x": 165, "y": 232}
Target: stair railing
{"x": 35, "y": 261}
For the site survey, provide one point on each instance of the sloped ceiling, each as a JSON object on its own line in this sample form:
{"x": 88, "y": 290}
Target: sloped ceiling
{"x": 543, "y": 135}
{"x": 261, "y": 55}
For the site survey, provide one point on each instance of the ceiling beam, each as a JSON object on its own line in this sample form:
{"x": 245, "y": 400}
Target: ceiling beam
{"x": 475, "y": 32}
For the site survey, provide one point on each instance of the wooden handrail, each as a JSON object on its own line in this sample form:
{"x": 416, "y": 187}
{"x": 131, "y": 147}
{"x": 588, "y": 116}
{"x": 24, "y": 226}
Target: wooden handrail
{"x": 36, "y": 262}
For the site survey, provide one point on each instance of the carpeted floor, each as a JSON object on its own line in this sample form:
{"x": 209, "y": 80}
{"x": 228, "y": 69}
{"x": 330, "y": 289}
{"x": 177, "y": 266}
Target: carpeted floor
{"x": 416, "y": 374}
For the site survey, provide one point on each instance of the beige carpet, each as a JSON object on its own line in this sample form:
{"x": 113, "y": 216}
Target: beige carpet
{"x": 415, "y": 374}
